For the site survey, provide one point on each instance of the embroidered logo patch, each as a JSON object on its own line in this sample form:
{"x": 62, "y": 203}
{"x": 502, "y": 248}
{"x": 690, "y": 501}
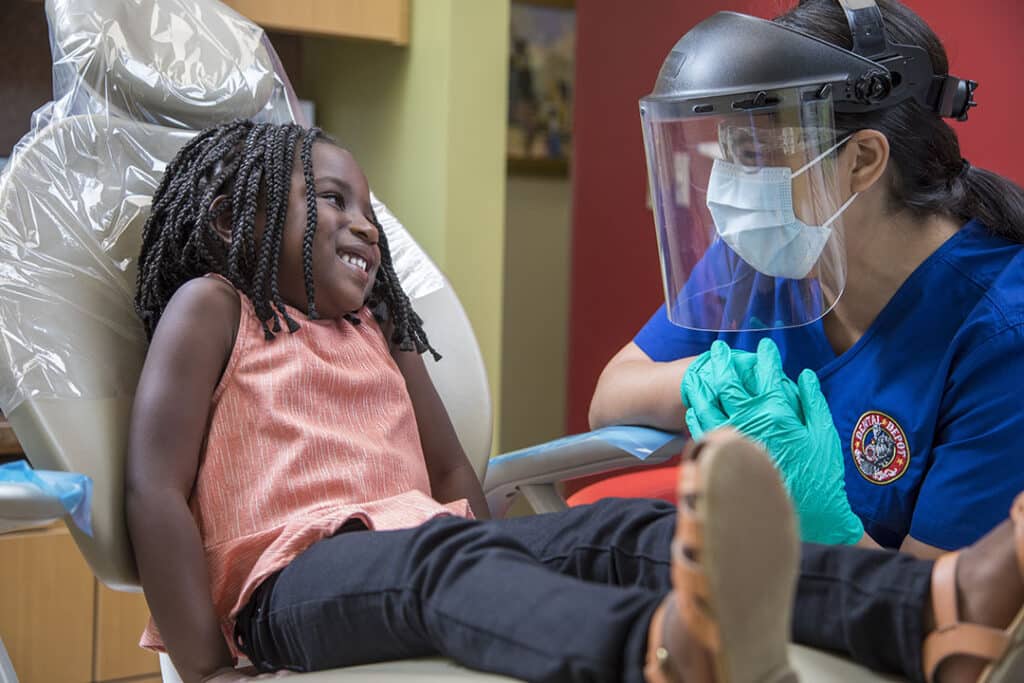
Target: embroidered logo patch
{"x": 879, "y": 447}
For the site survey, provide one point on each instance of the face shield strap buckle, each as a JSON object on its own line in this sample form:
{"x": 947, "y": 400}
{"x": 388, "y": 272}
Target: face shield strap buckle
{"x": 948, "y": 96}
{"x": 867, "y": 28}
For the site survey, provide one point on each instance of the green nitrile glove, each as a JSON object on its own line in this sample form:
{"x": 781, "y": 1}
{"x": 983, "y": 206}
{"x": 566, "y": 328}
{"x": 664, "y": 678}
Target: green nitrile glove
{"x": 722, "y": 382}
{"x": 752, "y": 394}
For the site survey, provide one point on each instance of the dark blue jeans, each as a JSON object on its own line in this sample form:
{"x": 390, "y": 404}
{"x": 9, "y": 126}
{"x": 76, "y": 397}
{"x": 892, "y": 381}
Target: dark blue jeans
{"x": 866, "y": 604}
{"x": 559, "y": 597}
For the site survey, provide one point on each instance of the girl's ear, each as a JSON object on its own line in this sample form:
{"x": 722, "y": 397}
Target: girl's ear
{"x": 221, "y": 212}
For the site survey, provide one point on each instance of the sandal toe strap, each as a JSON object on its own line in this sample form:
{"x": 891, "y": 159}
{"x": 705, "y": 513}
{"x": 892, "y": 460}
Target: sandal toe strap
{"x": 689, "y": 576}
{"x": 951, "y": 636}
{"x": 962, "y": 639}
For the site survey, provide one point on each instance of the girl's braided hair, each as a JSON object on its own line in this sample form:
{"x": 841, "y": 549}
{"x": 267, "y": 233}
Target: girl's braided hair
{"x": 245, "y": 161}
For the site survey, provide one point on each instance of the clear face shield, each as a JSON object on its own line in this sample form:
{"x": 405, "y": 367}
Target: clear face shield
{"x": 747, "y": 206}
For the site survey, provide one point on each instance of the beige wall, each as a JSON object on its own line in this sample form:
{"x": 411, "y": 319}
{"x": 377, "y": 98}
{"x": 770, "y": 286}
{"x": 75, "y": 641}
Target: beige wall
{"x": 427, "y": 123}
{"x": 536, "y": 308}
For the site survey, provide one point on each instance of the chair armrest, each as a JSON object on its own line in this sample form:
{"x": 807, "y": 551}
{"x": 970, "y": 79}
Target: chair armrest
{"x": 24, "y": 505}
{"x": 602, "y": 450}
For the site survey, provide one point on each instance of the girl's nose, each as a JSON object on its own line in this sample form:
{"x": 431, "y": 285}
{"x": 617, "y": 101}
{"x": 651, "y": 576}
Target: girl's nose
{"x": 366, "y": 231}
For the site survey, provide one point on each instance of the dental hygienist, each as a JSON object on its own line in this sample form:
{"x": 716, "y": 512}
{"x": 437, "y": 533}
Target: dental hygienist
{"x": 807, "y": 189}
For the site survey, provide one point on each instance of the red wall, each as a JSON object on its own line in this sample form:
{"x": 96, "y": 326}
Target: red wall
{"x": 615, "y": 280}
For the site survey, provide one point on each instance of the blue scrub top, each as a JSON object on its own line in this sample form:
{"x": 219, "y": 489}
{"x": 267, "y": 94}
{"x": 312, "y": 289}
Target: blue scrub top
{"x": 928, "y": 402}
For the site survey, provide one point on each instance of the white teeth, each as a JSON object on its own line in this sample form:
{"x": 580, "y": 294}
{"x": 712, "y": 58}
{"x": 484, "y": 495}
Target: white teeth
{"x": 356, "y": 261}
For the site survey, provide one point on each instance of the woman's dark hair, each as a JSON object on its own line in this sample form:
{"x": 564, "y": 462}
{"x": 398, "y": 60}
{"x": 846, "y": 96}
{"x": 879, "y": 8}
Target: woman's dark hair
{"x": 929, "y": 175}
{"x": 251, "y": 165}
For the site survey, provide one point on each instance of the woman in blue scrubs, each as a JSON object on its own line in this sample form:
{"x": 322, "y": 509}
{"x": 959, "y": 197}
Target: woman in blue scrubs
{"x": 922, "y": 355}
{"x": 807, "y": 191}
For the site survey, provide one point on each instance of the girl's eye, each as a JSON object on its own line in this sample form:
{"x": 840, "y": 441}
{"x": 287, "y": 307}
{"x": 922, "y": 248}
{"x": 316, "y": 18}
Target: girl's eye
{"x": 335, "y": 199}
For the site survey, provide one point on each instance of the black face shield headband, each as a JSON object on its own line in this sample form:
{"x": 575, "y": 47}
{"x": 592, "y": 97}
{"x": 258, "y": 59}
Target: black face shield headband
{"x": 732, "y": 53}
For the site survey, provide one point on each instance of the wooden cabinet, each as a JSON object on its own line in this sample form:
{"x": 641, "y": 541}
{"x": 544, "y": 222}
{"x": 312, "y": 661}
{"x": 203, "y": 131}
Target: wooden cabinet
{"x": 46, "y": 606}
{"x": 58, "y": 623}
{"x": 8, "y": 442}
{"x": 120, "y": 618}
{"x": 382, "y": 20}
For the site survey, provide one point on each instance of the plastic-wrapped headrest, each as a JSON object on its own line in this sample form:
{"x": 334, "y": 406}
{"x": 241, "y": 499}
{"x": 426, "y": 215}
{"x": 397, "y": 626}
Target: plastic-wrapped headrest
{"x": 180, "y": 63}
{"x": 133, "y": 81}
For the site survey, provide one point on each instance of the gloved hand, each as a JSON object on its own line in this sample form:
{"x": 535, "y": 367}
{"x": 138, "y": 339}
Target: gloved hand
{"x": 707, "y": 389}
{"x": 751, "y": 393}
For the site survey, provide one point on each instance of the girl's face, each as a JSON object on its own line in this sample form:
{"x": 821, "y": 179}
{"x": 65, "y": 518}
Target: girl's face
{"x": 345, "y": 252}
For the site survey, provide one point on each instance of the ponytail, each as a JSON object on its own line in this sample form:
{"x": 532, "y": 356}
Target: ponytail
{"x": 994, "y": 200}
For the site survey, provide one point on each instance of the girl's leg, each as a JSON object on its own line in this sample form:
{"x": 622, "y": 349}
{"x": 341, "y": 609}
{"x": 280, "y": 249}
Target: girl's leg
{"x": 877, "y": 607}
{"x": 619, "y": 541}
{"x": 867, "y": 604}
{"x": 452, "y": 587}
{"x": 475, "y": 593}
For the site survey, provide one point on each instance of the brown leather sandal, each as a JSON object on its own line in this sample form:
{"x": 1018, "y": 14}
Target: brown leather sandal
{"x": 735, "y": 556}
{"x": 951, "y": 637}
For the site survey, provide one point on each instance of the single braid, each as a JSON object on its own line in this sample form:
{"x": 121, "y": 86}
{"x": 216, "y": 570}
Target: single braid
{"x": 236, "y": 251}
{"x": 408, "y": 332}
{"x": 311, "y": 217}
{"x": 291, "y": 137}
{"x": 273, "y": 179}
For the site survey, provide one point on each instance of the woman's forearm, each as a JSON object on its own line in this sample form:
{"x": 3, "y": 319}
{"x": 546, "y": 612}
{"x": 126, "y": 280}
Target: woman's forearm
{"x": 172, "y": 567}
{"x": 640, "y": 392}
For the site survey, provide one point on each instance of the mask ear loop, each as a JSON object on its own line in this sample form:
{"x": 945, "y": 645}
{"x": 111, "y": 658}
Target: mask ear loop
{"x": 821, "y": 156}
{"x": 818, "y": 158}
{"x": 839, "y": 212}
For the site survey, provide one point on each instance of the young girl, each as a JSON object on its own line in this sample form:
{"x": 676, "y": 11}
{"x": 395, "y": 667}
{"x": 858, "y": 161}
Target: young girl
{"x": 296, "y": 491}
{"x": 279, "y": 442}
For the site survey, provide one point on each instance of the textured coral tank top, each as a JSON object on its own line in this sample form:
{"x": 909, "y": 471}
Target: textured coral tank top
{"x": 306, "y": 432}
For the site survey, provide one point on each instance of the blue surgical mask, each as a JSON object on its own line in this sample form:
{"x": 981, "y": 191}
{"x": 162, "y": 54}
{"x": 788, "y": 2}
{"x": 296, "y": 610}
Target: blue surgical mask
{"x": 753, "y": 214}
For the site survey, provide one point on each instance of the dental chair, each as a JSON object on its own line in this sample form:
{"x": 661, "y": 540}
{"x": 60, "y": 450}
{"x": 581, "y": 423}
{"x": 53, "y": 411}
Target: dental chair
{"x": 133, "y": 81}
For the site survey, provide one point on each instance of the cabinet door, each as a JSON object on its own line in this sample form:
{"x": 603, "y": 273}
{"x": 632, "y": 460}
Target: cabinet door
{"x": 120, "y": 618}
{"x": 8, "y": 442}
{"x": 383, "y": 20}
{"x": 46, "y": 606}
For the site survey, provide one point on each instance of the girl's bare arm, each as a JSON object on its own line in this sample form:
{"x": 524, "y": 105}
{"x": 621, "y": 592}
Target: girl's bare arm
{"x": 183, "y": 365}
{"x": 451, "y": 475}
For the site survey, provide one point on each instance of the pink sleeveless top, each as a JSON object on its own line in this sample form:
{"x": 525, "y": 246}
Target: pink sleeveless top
{"x": 306, "y": 432}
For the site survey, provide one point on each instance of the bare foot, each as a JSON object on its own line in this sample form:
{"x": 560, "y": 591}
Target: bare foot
{"x": 990, "y": 592}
